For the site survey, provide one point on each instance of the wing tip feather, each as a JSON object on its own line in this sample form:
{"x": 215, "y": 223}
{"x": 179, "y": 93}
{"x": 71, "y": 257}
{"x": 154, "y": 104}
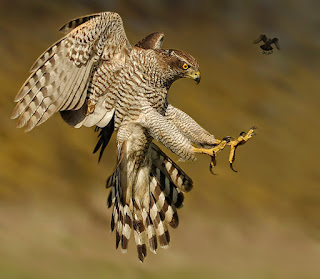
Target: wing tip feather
{"x": 70, "y": 25}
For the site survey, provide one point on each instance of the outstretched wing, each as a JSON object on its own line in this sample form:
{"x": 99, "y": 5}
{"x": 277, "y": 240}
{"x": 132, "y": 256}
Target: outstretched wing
{"x": 276, "y": 42}
{"x": 66, "y": 28}
{"x": 60, "y": 77}
{"x": 261, "y": 38}
{"x": 152, "y": 41}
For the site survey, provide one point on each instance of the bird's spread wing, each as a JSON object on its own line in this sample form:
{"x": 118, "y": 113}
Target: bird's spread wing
{"x": 276, "y": 42}
{"x": 60, "y": 77}
{"x": 66, "y": 28}
{"x": 261, "y": 38}
{"x": 152, "y": 41}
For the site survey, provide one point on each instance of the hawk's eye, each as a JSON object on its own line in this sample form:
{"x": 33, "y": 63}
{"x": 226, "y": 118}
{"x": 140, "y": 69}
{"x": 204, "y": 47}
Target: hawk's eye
{"x": 185, "y": 66}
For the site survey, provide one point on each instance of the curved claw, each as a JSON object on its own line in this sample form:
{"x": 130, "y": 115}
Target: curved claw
{"x": 242, "y": 134}
{"x": 227, "y": 139}
{"x": 212, "y": 164}
{"x": 231, "y": 166}
{"x": 210, "y": 168}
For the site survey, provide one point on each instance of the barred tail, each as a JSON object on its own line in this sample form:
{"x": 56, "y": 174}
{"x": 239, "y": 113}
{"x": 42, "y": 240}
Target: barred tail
{"x": 150, "y": 209}
{"x": 170, "y": 170}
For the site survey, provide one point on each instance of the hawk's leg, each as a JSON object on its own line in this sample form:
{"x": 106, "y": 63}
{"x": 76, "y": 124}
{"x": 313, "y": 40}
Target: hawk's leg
{"x": 221, "y": 144}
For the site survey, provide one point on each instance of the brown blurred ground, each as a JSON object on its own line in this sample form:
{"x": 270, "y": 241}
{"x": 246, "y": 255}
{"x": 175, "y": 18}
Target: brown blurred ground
{"x": 262, "y": 222}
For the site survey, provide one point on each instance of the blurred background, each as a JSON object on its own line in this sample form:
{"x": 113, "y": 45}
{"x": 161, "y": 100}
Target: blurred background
{"x": 262, "y": 222}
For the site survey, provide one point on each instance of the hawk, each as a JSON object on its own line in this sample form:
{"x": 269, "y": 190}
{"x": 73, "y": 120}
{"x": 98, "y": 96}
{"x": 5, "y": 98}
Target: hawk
{"x": 93, "y": 76}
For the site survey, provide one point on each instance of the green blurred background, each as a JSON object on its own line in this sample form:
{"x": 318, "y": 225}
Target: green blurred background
{"x": 262, "y": 222}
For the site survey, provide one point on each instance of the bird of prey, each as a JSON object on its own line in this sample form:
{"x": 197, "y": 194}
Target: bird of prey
{"x": 266, "y": 47}
{"x": 93, "y": 76}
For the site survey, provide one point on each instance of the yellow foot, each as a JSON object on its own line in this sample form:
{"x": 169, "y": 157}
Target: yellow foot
{"x": 212, "y": 152}
{"x": 221, "y": 144}
{"x": 242, "y": 139}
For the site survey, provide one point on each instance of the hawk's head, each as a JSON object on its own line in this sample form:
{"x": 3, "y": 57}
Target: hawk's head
{"x": 182, "y": 65}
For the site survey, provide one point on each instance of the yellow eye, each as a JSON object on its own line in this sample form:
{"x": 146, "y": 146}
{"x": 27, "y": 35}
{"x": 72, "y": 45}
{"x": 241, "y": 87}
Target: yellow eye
{"x": 185, "y": 66}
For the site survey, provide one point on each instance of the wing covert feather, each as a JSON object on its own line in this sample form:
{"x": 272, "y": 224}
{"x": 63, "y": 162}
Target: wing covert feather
{"x": 152, "y": 41}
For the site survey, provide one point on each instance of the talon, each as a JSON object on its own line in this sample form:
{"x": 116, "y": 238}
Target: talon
{"x": 232, "y": 156}
{"x": 221, "y": 144}
{"x": 242, "y": 139}
{"x": 231, "y": 166}
{"x": 212, "y": 164}
{"x": 227, "y": 139}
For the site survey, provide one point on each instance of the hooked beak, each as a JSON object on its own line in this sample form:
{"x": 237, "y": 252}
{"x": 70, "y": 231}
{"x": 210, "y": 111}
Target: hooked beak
{"x": 195, "y": 76}
{"x": 198, "y": 78}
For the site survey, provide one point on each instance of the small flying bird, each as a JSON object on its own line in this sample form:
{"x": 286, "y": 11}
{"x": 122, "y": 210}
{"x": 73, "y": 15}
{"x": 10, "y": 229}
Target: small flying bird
{"x": 267, "y": 48}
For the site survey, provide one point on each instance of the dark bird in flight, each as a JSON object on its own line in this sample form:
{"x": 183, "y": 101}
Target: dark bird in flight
{"x": 266, "y": 47}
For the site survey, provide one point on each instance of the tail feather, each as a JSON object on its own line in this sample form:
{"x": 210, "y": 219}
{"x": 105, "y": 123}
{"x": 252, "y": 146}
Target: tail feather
{"x": 170, "y": 169}
{"x": 164, "y": 203}
{"x": 118, "y": 208}
{"x": 111, "y": 198}
{"x": 119, "y": 224}
{"x": 112, "y": 195}
{"x": 139, "y": 233}
{"x": 168, "y": 187}
{"x": 114, "y": 217}
{"x": 152, "y": 237}
{"x": 171, "y": 214}
{"x": 146, "y": 209}
{"x": 127, "y": 227}
{"x": 160, "y": 226}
